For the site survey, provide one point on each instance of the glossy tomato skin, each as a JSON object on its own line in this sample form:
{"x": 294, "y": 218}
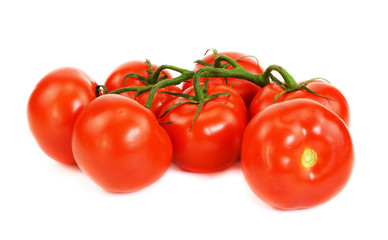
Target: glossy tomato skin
{"x": 337, "y": 102}
{"x": 296, "y": 154}
{"x": 244, "y": 88}
{"x": 214, "y": 142}
{"x": 116, "y": 81}
{"x": 120, "y": 145}
{"x": 53, "y": 108}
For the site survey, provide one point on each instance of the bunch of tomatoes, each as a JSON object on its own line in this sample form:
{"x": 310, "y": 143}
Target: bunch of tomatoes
{"x": 292, "y": 138}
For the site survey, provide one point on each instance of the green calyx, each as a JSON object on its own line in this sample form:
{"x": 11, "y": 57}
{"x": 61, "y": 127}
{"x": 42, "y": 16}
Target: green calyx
{"x": 152, "y": 77}
{"x": 290, "y": 84}
{"x": 199, "y": 99}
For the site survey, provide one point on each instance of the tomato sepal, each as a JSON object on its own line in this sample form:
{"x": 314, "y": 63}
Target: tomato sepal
{"x": 195, "y": 99}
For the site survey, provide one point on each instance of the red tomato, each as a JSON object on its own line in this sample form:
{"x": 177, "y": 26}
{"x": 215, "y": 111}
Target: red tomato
{"x": 244, "y": 88}
{"x": 53, "y": 108}
{"x": 120, "y": 145}
{"x": 337, "y": 102}
{"x": 116, "y": 81}
{"x": 296, "y": 154}
{"x": 214, "y": 142}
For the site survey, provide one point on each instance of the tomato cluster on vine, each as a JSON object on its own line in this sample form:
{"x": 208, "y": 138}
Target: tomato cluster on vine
{"x": 292, "y": 138}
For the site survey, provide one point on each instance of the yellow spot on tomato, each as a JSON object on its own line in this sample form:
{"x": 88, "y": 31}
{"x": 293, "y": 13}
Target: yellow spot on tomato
{"x": 309, "y": 158}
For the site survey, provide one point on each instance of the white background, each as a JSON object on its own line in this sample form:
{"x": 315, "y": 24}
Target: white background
{"x": 342, "y": 41}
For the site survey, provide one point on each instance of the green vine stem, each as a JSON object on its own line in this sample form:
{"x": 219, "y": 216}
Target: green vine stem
{"x": 209, "y": 71}
{"x": 160, "y": 69}
{"x": 219, "y": 59}
{"x": 216, "y": 70}
{"x": 290, "y": 82}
